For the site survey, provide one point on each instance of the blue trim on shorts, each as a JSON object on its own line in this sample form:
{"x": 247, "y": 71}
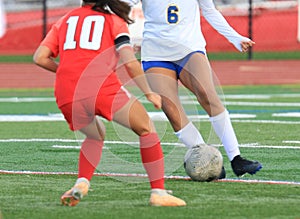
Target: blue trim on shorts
{"x": 176, "y": 66}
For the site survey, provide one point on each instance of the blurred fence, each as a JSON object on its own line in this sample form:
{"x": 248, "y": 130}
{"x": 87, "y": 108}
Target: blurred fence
{"x": 274, "y": 24}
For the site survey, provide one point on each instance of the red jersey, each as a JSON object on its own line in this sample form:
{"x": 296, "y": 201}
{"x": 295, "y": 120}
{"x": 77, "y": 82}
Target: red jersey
{"x": 85, "y": 40}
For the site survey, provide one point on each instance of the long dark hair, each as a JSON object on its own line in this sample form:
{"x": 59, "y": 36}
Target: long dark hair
{"x": 120, "y": 8}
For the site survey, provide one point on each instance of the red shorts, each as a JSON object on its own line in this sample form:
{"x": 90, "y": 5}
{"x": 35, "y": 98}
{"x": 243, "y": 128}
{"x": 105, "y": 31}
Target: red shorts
{"x": 110, "y": 99}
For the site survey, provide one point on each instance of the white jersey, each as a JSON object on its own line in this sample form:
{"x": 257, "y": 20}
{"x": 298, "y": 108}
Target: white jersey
{"x": 172, "y": 28}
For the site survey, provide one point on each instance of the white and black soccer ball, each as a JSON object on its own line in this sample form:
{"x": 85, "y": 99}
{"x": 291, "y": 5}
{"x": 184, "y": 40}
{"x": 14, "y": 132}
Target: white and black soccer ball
{"x": 203, "y": 163}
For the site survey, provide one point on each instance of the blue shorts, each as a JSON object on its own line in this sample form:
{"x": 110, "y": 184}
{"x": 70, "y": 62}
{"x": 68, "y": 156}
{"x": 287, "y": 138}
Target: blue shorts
{"x": 176, "y": 66}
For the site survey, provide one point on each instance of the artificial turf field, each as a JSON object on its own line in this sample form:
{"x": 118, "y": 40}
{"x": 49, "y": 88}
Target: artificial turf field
{"x": 39, "y": 160}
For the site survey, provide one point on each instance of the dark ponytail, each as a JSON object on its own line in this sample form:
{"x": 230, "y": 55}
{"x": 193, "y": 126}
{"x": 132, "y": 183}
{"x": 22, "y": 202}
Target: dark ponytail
{"x": 120, "y": 8}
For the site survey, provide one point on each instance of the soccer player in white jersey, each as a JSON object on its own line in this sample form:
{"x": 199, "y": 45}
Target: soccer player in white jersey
{"x": 173, "y": 48}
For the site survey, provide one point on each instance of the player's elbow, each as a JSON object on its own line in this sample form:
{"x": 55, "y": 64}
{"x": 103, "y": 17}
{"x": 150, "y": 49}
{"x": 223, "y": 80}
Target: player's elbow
{"x": 37, "y": 58}
{"x": 42, "y": 55}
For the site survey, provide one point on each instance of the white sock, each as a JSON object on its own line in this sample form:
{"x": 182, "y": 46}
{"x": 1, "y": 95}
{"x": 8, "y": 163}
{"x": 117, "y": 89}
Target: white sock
{"x": 223, "y": 128}
{"x": 82, "y": 179}
{"x": 189, "y": 135}
{"x": 161, "y": 192}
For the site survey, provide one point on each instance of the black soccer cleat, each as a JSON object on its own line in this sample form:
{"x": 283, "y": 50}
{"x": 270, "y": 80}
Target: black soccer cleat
{"x": 241, "y": 166}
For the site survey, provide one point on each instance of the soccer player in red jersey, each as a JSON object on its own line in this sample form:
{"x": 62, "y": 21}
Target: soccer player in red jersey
{"x": 92, "y": 42}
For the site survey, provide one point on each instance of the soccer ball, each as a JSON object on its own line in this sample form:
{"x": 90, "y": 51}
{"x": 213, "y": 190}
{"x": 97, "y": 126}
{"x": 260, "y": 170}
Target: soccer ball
{"x": 203, "y": 163}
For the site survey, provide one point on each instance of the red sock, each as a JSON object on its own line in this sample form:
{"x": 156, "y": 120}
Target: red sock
{"x": 89, "y": 157}
{"x": 153, "y": 159}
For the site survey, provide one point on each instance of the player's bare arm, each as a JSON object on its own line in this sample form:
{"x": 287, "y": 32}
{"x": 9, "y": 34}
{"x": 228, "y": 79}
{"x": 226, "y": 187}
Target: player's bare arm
{"x": 43, "y": 58}
{"x": 135, "y": 71}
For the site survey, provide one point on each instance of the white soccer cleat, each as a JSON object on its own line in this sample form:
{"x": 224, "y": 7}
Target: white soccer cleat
{"x": 161, "y": 197}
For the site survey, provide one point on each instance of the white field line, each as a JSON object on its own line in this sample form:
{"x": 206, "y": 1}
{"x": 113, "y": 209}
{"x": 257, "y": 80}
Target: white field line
{"x": 78, "y": 141}
{"x": 274, "y": 182}
{"x": 291, "y": 142}
{"x": 185, "y": 99}
{"x": 32, "y": 118}
{"x": 288, "y": 114}
{"x": 182, "y": 97}
{"x": 136, "y": 143}
{"x": 38, "y": 140}
{"x": 246, "y": 96}
{"x": 241, "y": 146}
{"x": 249, "y": 145}
{"x": 261, "y": 104}
{"x": 71, "y": 147}
{"x": 68, "y": 147}
{"x": 259, "y": 96}
{"x": 160, "y": 116}
{"x": 243, "y": 103}
{"x": 270, "y": 146}
{"x": 26, "y": 99}
{"x": 155, "y": 116}
{"x": 266, "y": 121}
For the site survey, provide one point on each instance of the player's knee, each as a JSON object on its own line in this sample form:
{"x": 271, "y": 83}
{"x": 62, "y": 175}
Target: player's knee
{"x": 144, "y": 128}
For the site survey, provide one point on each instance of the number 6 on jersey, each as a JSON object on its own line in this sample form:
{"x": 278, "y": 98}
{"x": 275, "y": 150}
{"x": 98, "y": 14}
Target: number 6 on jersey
{"x": 172, "y": 14}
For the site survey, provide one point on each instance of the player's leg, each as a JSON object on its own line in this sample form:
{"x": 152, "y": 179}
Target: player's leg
{"x": 164, "y": 82}
{"x": 134, "y": 116}
{"x": 89, "y": 158}
{"x": 91, "y": 148}
{"x": 197, "y": 77}
{"x": 90, "y": 152}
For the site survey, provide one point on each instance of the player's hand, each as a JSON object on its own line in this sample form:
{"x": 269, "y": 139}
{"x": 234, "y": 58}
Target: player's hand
{"x": 155, "y": 99}
{"x": 246, "y": 45}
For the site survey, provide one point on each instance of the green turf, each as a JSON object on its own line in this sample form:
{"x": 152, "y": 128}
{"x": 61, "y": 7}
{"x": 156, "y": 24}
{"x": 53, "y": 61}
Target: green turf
{"x": 30, "y": 196}
{"x": 290, "y": 55}
{"x": 26, "y": 92}
{"x": 37, "y": 197}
